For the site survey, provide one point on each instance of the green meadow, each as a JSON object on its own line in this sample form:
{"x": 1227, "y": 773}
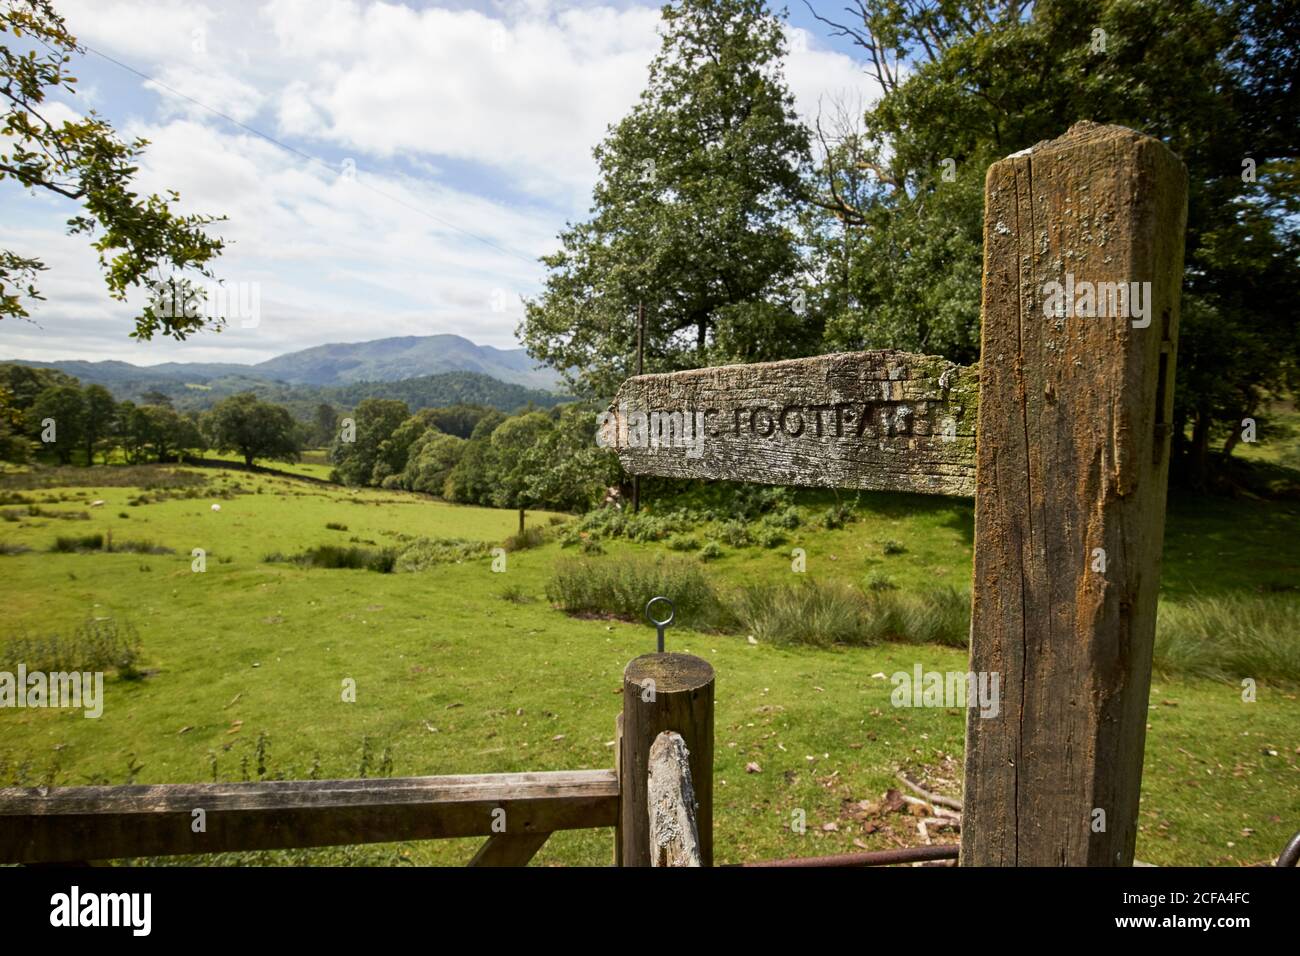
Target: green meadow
{"x": 462, "y": 669}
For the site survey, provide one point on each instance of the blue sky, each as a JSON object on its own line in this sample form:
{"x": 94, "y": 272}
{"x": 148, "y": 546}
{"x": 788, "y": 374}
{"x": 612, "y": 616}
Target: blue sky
{"x": 450, "y": 142}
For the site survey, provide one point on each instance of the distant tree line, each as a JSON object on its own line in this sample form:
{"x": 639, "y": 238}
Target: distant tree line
{"x": 46, "y": 412}
{"x": 533, "y": 458}
{"x": 476, "y": 455}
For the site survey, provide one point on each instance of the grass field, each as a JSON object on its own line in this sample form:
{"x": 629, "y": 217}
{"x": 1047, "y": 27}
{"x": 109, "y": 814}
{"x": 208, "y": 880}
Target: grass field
{"x": 462, "y": 670}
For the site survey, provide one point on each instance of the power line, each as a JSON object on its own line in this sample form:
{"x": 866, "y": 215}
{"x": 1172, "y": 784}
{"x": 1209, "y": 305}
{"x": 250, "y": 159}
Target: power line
{"x": 320, "y": 162}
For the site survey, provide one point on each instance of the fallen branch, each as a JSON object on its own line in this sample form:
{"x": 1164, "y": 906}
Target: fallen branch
{"x": 935, "y": 798}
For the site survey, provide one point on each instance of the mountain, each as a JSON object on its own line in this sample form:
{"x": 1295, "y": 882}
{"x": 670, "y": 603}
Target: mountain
{"x": 337, "y": 364}
{"x": 387, "y": 360}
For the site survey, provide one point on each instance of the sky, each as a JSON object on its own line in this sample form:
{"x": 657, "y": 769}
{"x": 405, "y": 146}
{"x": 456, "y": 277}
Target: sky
{"x": 428, "y": 154}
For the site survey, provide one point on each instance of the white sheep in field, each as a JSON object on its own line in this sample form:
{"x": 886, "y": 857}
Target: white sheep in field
{"x": 216, "y": 507}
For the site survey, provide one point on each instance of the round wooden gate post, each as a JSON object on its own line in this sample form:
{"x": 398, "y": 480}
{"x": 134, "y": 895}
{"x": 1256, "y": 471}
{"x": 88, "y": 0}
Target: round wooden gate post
{"x": 664, "y": 692}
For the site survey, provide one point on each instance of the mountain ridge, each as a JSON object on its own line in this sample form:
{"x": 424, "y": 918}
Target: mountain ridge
{"x": 333, "y": 364}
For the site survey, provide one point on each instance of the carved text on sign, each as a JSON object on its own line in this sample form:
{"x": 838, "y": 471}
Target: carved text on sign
{"x": 861, "y": 420}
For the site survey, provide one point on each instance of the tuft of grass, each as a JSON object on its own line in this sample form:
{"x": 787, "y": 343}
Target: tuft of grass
{"x": 72, "y": 543}
{"x": 822, "y": 613}
{"x": 334, "y": 556}
{"x": 425, "y": 553}
{"x": 515, "y": 594}
{"x": 1230, "y": 638}
{"x": 96, "y": 645}
{"x": 810, "y": 612}
{"x": 335, "y": 526}
{"x": 622, "y": 586}
{"x": 138, "y": 547}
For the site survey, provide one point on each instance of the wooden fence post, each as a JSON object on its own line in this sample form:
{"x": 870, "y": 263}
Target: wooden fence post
{"x": 664, "y": 692}
{"x": 1072, "y": 463}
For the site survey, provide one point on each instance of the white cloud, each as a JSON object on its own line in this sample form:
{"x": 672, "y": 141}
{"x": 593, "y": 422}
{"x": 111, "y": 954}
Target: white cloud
{"x": 459, "y": 122}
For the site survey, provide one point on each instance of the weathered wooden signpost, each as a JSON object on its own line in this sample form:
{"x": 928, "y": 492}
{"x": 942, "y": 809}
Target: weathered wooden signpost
{"x": 1061, "y": 435}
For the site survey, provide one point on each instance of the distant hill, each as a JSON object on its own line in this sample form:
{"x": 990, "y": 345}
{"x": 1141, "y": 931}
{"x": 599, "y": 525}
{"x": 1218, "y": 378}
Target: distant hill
{"x": 412, "y": 356}
{"x": 337, "y": 364}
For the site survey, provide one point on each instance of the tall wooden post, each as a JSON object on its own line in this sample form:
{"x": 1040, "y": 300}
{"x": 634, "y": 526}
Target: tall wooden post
{"x": 664, "y": 692}
{"x": 1072, "y": 463}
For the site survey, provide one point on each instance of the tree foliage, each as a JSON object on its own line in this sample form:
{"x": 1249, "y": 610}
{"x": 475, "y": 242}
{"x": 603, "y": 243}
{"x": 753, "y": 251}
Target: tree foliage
{"x": 692, "y": 213}
{"x": 140, "y": 241}
{"x": 253, "y": 428}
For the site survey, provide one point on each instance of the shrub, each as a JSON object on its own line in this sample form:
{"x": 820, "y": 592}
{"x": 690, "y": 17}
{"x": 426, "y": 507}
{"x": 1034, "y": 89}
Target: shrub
{"x": 787, "y": 518}
{"x": 591, "y": 546}
{"x": 769, "y": 538}
{"x": 622, "y": 586}
{"x": 13, "y": 547}
{"x": 533, "y": 537}
{"x": 892, "y": 547}
{"x": 879, "y": 582}
{"x": 683, "y": 542}
{"x": 711, "y": 551}
{"x": 335, "y": 526}
{"x": 736, "y": 534}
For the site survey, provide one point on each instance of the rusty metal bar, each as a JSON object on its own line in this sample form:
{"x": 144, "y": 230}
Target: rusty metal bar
{"x": 911, "y": 854}
{"x": 1290, "y": 853}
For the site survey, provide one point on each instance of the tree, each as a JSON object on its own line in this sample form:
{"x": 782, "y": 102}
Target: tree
{"x": 356, "y": 454}
{"x": 255, "y": 429}
{"x": 155, "y": 432}
{"x": 15, "y": 446}
{"x": 430, "y": 462}
{"x": 25, "y": 382}
{"x": 394, "y": 451}
{"x": 514, "y": 442}
{"x": 473, "y": 478}
{"x": 692, "y": 213}
{"x": 568, "y": 471}
{"x": 139, "y": 241}
{"x": 325, "y": 424}
{"x": 458, "y": 420}
{"x": 101, "y": 411}
{"x": 967, "y": 83}
{"x": 58, "y": 416}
